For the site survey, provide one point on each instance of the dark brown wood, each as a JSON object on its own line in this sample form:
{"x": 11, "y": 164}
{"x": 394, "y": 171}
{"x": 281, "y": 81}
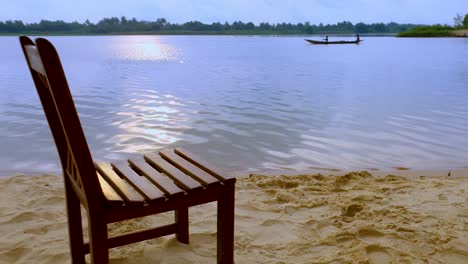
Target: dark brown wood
{"x": 141, "y": 184}
{"x": 75, "y": 227}
{"x": 187, "y": 167}
{"x": 137, "y": 236}
{"x": 210, "y": 194}
{"x": 186, "y": 182}
{"x": 204, "y": 165}
{"x": 169, "y": 181}
{"x": 165, "y": 183}
{"x": 225, "y": 245}
{"x": 98, "y": 242}
{"x": 182, "y": 221}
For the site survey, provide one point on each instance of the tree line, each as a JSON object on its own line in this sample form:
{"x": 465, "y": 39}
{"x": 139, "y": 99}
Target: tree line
{"x": 115, "y": 25}
{"x": 461, "y": 21}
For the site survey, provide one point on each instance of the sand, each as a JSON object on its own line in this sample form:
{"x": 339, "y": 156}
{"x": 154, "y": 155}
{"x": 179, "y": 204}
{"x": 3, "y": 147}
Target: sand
{"x": 461, "y": 32}
{"x": 355, "y": 218}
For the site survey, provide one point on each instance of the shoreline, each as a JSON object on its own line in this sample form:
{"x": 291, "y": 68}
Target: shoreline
{"x": 461, "y": 33}
{"x": 404, "y": 172}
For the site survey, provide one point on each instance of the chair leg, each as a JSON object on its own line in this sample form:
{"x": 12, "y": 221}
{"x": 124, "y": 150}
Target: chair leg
{"x": 99, "y": 249}
{"x": 181, "y": 219}
{"x": 225, "y": 244}
{"x": 75, "y": 227}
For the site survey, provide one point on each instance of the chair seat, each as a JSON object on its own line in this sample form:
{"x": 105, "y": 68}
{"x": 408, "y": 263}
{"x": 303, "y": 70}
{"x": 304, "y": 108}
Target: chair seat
{"x": 157, "y": 178}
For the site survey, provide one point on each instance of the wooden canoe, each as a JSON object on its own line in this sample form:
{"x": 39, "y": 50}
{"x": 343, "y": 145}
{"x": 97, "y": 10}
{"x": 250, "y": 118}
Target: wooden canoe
{"x": 333, "y": 42}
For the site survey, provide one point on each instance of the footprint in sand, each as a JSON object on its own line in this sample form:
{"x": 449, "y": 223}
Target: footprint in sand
{"x": 376, "y": 254}
{"x": 370, "y": 235}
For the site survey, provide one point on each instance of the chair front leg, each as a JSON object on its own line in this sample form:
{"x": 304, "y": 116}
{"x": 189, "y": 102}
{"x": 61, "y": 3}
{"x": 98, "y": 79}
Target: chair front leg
{"x": 181, "y": 219}
{"x": 98, "y": 244}
{"x": 75, "y": 227}
{"x": 225, "y": 243}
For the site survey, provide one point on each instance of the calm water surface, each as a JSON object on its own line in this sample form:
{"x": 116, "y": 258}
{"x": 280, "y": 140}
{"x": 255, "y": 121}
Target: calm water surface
{"x": 249, "y": 103}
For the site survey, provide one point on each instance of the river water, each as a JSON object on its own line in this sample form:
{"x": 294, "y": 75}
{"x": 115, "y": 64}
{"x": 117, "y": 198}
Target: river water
{"x": 248, "y": 103}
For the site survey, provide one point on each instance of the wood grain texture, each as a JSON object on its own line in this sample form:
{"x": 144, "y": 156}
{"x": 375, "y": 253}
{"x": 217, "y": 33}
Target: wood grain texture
{"x": 165, "y": 183}
{"x": 188, "y": 168}
{"x": 141, "y": 184}
{"x": 118, "y": 184}
{"x": 183, "y": 180}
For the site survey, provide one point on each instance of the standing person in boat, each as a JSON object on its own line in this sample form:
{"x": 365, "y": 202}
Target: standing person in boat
{"x": 326, "y": 39}
{"x": 357, "y": 37}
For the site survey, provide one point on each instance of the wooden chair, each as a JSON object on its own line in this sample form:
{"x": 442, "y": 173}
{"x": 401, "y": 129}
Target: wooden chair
{"x": 171, "y": 180}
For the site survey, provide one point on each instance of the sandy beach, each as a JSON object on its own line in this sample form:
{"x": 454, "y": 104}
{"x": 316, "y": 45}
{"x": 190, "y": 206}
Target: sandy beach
{"x": 419, "y": 217}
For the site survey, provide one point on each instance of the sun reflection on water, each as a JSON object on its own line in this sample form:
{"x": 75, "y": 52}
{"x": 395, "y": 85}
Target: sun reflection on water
{"x": 143, "y": 48}
{"x": 149, "y": 124}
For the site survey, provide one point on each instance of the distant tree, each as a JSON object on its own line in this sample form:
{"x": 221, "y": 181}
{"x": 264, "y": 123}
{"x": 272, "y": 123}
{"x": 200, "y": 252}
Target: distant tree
{"x": 379, "y": 28}
{"x": 249, "y": 26}
{"x": 123, "y": 20}
{"x": 87, "y": 23}
{"x": 361, "y": 28}
{"x": 458, "y": 20}
{"x": 465, "y": 21}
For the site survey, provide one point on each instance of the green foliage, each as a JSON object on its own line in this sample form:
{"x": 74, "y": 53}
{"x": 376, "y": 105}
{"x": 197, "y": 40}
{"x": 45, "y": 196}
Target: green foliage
{"x": 123, "y": 25}
{"x": 428, "y": 31}
{"x": 465, "y": 21}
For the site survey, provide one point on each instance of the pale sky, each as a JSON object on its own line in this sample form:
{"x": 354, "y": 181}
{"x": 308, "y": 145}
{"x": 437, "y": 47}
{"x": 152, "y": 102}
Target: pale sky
{"x": 207, "y": 11}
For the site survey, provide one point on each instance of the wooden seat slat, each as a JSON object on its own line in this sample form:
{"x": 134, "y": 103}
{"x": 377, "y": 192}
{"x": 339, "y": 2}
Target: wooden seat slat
{"x": 165, "y": 183}
{"x": 183, "y": 180}
{"x": 146, "y": 188}
{"x": 119, "y": 185}
{"x": 204, "y": 165}
{"x": 111, "y": 195}
{"x": 188, "y": 168}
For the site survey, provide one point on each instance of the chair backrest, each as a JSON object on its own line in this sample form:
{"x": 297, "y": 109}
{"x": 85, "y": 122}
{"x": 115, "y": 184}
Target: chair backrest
{"x": 52, "y": 87}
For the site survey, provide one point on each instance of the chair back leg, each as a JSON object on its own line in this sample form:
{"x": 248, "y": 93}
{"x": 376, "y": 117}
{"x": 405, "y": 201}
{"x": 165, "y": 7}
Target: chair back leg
{"x": 98, "y": 243}
{"x": 75, "y": 227}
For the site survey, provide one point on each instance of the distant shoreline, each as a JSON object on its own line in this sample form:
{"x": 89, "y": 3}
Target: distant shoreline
{"x": 435, "y": 31}
{"x": 461, "y": 33}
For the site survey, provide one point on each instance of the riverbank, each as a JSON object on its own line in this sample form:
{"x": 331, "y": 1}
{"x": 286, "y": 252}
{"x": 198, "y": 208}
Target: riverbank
{"x": 433, "y": 31}
{"x": 461, "y": 33}
{"x": 359, "y": 218}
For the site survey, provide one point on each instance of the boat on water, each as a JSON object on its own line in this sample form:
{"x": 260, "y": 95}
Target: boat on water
{"x": 333, "y": 42}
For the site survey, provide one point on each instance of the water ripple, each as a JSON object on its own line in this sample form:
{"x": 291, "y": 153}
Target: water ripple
{"x": 249, "y": 104}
